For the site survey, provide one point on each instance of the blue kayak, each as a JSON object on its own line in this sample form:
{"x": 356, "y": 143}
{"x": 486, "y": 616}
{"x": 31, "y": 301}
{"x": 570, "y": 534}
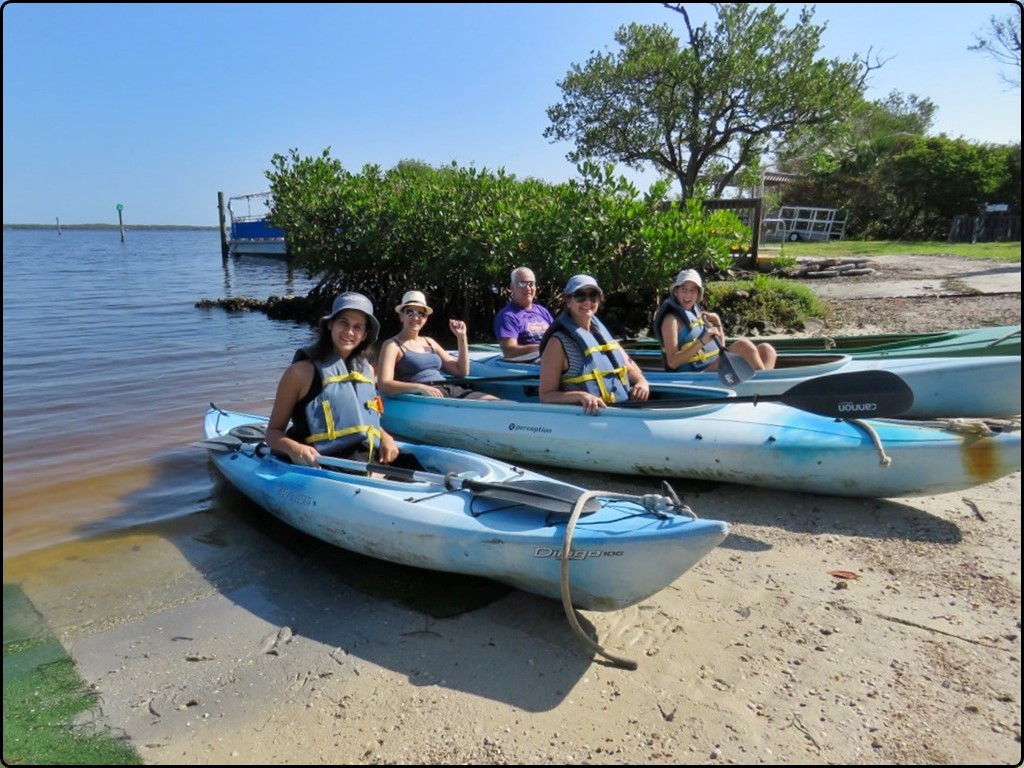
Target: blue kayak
{"x": 977, "y": 387}
{"x": 698, "y": 433}
{"x": 466, "y": 513}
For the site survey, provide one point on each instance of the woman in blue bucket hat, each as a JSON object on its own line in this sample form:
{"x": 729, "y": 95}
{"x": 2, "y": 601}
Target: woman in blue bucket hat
{"x": 580, "y": 361}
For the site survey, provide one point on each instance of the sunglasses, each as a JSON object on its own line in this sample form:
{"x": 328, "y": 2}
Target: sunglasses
{"x": 526, "y": 283}
{"x": 587, "y": 296}
{"x": 414, "y": 313}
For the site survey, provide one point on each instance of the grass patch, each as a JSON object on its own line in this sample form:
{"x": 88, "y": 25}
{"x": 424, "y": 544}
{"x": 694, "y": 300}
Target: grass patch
{"x": 43, "y": 695}
{"x": 1008, "y": 252}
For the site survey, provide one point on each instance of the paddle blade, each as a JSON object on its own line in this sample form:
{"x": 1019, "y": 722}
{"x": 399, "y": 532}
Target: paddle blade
{"x": 543, "y": 494}
{"x": 732, "y": 368}
{"x": 224, "y": 444}
{"x": 856, "y": 395}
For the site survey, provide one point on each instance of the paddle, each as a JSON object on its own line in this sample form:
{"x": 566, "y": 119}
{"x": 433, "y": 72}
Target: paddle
{"x": 860, "y": 394}
{"x": 529, "y": 357}
{"x": 484, "y": 379}
{"x": 732, "y": 368}
{"x": 544, "y": 494}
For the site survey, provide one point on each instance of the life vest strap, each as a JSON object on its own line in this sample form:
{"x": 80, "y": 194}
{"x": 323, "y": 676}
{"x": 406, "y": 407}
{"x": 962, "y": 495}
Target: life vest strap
{"x": 351, "y": 376}
{"x": 703, "y": 355}
{"x": 607, "y": 347}
{"x": 599, "y": 377}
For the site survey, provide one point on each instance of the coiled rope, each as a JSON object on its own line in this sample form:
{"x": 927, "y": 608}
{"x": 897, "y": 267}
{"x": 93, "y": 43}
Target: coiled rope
{"x": 980, "y": 427}
{"x": 653, "y": 502}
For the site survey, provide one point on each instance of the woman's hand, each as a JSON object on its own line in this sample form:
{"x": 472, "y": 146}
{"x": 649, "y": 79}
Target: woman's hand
{"x": 712, "y": 333}
{"x": 429, "y": 391}
{"x": 458, "y": 327}
{"x": 713, "y": 324}
{"x": 640, "y": 390}
{"x": 388, "y": 449}
{"x": 591, "y": 403}
{"x": 304, "y": 455}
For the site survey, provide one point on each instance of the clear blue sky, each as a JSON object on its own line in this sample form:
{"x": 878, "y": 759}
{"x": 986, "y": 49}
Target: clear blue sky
{"x": 160, "y": 106}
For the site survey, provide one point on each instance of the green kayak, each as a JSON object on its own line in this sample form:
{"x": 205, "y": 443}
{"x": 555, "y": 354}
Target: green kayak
{"x": 968, "y": 342}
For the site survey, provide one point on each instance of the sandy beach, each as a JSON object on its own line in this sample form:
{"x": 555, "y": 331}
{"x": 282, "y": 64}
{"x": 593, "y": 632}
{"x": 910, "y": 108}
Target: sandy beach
{"x": 823, "y": 630}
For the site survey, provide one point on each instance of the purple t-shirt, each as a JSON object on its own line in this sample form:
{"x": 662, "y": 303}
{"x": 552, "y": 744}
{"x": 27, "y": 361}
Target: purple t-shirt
{"x": 525, "y": 325}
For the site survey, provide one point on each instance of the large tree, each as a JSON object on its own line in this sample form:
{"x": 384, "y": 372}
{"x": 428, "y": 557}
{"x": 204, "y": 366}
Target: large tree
{"x": 872, "y": 129}
{"x": 1002, "y": 43}
{"x": 717, "y": 103}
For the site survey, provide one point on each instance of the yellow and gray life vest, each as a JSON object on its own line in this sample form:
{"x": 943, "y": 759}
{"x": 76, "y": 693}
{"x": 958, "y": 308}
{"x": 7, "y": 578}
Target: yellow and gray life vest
{"x": 691, "y": 326}
{"x": 603, "y": 371}
{"x": 347, "y": 410}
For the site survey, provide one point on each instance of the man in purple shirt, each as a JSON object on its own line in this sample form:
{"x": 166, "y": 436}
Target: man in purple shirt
{"x": 521, "y": 323}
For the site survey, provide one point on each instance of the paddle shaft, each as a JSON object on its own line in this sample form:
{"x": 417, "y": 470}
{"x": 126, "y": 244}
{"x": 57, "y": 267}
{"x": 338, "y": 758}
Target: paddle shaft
{"x": 546, "y": 494}
{"x": 485, "y": 379}
{"x": 228, "y": 443}
{"x": 385, "y": 469}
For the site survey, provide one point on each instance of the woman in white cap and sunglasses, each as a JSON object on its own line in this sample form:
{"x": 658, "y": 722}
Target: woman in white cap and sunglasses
{"x": 412, "y": 362}
{"x": 691, "y": 339}
{"x": 328, "y": 394}
{"x": 580, "y": 361}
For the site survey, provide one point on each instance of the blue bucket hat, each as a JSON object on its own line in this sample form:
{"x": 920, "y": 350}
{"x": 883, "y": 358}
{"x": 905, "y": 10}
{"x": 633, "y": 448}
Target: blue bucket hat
{"x": 353, "y": 300}
{"x": 576, "y": 282}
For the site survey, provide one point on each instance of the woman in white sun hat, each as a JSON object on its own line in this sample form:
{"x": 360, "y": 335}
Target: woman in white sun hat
{"x": 691, "y": 339}
{"x": 412, "y": 362}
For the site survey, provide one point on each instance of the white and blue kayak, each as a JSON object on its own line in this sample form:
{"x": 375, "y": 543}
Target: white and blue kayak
{"x": 956, "y": 387}
{"x": 713, "y": 434}
{"x": 469, "y": 514}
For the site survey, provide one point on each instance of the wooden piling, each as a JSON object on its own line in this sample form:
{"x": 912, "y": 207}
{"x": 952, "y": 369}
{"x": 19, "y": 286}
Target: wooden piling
{"x": 223, "y": 226}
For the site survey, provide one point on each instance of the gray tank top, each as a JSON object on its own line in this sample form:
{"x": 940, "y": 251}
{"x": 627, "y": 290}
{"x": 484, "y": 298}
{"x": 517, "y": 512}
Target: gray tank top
{"x": 418, "y": 367}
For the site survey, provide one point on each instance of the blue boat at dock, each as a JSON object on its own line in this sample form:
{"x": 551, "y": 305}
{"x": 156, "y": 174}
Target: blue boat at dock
{"x": 250, "y": 233}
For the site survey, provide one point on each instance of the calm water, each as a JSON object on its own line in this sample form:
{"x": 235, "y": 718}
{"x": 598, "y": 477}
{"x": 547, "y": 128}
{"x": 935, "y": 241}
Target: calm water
{"x": 109, "y": 367}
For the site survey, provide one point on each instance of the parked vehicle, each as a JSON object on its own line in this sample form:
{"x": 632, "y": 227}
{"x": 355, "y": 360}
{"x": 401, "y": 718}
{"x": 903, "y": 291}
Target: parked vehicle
{"x": 798, "y": 222}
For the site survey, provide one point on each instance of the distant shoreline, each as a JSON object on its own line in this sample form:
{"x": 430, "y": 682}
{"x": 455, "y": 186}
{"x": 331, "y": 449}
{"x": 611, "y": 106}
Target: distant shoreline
{"x": 135, "y": 227}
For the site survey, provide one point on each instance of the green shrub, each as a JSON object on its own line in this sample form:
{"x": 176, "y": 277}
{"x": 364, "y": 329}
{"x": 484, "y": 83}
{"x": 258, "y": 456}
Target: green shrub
{"x": 762, "y": 304}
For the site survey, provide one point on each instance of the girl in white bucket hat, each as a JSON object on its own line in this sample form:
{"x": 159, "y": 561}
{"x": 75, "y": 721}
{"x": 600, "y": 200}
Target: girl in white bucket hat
{"x": 692, "y": 339}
